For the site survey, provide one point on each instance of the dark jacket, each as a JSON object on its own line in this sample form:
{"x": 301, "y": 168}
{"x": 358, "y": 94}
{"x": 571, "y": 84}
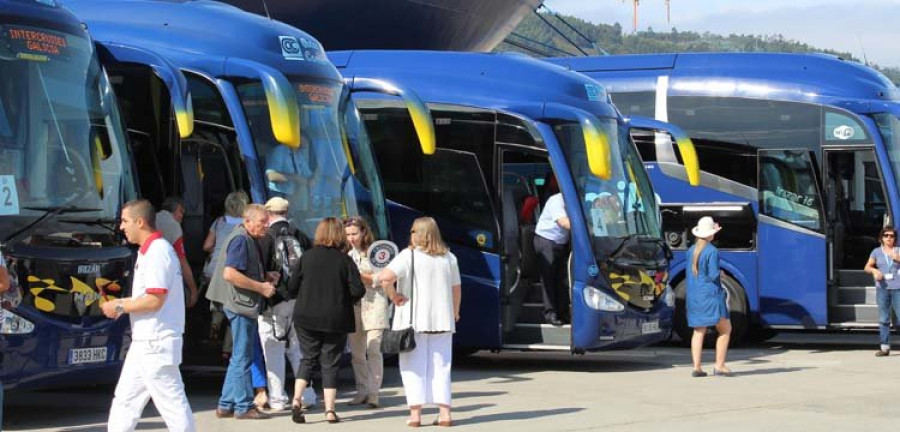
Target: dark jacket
{"x": 326, "y": 284}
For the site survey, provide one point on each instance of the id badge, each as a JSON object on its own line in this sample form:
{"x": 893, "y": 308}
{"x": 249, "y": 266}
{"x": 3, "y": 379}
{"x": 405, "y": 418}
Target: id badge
{"x": 888, "y": 276}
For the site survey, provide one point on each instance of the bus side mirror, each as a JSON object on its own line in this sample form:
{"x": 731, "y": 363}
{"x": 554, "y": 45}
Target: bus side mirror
{"x": 418, "y": 111}
{"x": 100, "y": 150}
{"x": 596, "y": 146}
{"x": 284, "y": 110}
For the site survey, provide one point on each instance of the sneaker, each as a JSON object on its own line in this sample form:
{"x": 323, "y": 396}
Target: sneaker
{"x": 882, "y": 353}
{"x": 276, "y": 407}
{"x": 252, "y": 414}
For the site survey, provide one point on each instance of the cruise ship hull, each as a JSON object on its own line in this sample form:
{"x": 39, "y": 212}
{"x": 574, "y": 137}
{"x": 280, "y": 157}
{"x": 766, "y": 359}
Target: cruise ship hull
{"x": 457, "y": 25}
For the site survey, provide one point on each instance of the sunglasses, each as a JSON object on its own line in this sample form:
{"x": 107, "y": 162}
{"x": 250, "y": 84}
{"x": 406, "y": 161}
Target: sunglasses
{"x": 889, "y": 235}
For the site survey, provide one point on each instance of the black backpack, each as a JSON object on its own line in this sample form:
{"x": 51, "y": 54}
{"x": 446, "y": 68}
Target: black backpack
{"x": 288, "y": 244}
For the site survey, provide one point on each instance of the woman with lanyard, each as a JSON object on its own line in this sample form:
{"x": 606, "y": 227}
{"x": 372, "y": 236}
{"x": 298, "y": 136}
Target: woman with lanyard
{"x": 884, "y": 266}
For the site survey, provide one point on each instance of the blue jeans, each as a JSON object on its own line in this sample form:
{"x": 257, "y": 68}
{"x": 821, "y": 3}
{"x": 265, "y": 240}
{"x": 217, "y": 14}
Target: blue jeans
{"x": 237, "y": 390}
{"x": 258, "y": 368}
{"x": 887, "y": 300}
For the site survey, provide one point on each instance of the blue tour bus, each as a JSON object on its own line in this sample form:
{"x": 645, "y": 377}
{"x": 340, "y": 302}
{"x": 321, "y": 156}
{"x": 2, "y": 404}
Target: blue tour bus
{"x": 506, "y": 125}
{"x": 64, "y": 173}
{"x": 800, "y": 157}
{"x": 257, "y": 92}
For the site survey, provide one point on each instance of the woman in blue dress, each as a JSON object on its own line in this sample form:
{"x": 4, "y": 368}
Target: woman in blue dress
{"x": 706, "y": 300}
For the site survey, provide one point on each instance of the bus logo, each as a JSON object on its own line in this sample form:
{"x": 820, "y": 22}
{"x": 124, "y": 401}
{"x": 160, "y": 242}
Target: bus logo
{"x": 89, "y": 269}
{"x": 290, "y": 48}
{"x": 844, "y": 132}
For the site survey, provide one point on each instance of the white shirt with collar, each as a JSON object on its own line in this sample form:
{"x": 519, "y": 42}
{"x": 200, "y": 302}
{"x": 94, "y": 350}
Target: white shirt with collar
{"x": 547, "y": 227}
{"x": 158, "y": 271}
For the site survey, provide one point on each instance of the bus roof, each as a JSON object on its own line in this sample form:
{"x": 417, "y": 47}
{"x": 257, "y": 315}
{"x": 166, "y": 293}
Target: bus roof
{"x": 494, "y": 81}
{"x": 801, "y": 77}
{"x": 201, "y": 33}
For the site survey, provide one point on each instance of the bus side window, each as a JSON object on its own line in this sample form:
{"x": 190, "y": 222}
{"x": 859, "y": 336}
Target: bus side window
{"x": 787, "y": 189}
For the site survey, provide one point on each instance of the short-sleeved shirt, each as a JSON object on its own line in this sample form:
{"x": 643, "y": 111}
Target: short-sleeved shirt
{"x": 887, "y": 267}
{"x": 158, "y": 271}
{"x": 171, "y": 231}
{"x": 435, "y": 277}
{"x": 237, "y": 256}
{"x": 554, "y": 209}
{"x": 292, "y": 163}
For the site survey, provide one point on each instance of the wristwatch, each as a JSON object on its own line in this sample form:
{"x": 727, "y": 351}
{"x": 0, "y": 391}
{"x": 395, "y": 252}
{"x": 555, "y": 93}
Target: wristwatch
{"x": 120, "y": 309}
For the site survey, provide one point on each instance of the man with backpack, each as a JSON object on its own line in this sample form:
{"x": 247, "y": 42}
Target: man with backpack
{"x": 281, "y": 248}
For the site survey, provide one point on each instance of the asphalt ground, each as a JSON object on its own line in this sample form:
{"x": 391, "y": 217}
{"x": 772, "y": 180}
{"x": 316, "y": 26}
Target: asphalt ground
{"x": 793, "y": 382}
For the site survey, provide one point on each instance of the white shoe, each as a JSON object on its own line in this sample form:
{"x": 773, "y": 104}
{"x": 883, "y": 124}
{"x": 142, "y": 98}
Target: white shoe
{"x": 278, "y": 406}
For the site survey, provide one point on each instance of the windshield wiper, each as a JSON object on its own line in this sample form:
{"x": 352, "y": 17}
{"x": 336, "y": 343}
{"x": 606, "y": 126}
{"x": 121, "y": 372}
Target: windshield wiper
{"x": 49, "y": 211}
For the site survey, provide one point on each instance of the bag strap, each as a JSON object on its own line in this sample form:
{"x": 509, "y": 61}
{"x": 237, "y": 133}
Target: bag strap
{"x": 412, "y": 275}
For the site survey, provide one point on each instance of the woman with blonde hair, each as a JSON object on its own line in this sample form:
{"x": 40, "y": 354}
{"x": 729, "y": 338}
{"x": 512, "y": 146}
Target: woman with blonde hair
{"x": 326, "y": 284}
{"x": 706, "y": 300}
{"x": 427, "y": 275}
{"x": 371, "y": 318}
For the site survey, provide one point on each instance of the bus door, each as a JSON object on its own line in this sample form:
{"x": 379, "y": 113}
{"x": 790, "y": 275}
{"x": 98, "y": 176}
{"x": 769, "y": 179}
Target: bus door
{"x": 791, "y": 241}
{"x": 525, "y": 175}
{"x": 857, "y": 210}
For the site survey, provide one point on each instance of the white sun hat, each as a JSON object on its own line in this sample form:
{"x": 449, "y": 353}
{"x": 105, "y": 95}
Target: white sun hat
{"x": 706, "y": 227}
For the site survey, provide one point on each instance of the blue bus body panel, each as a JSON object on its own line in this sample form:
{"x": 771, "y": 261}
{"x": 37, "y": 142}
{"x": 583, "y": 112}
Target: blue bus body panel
{"x": 792, "y": 277}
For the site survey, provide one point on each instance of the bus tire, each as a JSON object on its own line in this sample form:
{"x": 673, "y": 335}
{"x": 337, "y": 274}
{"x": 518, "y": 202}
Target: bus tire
{"x": 737, "y": 310}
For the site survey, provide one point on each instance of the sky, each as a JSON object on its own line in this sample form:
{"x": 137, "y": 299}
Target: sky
{"x": 865, "y": 28}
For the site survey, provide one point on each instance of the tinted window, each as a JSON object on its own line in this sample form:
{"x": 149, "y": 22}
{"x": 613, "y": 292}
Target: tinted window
{"x": 787, "y": 189}
{"x": 635, "y": 103}
{"x": 752, "y": 122}
{"x": 841, "y": 127}
{"x": 731, "y": 161}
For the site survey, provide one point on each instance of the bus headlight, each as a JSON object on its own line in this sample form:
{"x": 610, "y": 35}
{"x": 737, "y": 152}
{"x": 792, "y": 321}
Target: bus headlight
{"x": 598, "y": 300}
{"x": 669, "y": 296}
{"x": 11, "y": 323}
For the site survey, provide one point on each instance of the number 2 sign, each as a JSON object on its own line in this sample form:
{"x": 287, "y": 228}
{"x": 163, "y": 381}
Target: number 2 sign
{"x": 9, "y": 197}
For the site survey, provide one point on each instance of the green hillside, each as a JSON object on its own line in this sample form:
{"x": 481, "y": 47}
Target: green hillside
{"x": 614, "y": 40}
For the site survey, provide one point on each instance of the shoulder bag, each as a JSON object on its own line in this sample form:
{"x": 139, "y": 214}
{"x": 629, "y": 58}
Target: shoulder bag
{"x": 404, "y": 340}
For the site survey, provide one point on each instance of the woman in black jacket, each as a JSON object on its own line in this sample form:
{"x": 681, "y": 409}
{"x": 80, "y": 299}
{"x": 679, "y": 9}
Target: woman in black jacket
{"x": 326, "y": 284}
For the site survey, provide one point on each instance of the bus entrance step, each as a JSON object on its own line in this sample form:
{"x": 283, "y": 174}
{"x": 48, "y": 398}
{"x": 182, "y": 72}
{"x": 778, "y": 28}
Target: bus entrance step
{"x": 539, "y": 334}
{"x": 849, "y": 296}
{"x": 862, "y": 313}
{"x": 854, "y": 278}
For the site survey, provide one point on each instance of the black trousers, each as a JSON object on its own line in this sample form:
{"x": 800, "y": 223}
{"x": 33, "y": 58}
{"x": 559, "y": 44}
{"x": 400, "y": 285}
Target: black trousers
{"x": 320, "y": 349}
{"x": 552, "y": 263}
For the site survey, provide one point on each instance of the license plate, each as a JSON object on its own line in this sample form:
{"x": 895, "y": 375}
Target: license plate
{"x": 87, "y": 355}
{"x": 650, "y": 327}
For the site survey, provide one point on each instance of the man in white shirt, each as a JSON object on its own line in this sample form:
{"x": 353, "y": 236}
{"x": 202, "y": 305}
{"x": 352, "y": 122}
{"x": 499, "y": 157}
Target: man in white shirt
{"x": 156, "y": 308}
{"x": 551, "y": 242}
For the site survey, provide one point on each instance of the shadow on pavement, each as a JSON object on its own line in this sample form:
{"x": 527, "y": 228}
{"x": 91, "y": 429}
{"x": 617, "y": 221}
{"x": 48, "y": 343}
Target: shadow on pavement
{"x": 518, "y": 415}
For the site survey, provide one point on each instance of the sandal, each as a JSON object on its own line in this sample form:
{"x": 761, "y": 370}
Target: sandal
{"x": 442, "y": 423}
{"x": 297, "y": 412}
{"x": 413, "y": 423}
{"x": 336, "y": 419}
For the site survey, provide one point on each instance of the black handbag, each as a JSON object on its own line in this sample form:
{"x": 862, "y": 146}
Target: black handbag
{"x": 404, "y": 340}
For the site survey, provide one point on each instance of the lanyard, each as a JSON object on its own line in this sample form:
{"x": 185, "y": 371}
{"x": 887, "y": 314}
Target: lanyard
{"x": 889, "y": 260}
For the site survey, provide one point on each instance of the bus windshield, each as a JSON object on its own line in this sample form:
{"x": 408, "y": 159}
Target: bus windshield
{"x": 333, "y": 172}
{"x": 889, "y": 128}
{"x": 61, "y": 137}
{"x": 623, "y": 206}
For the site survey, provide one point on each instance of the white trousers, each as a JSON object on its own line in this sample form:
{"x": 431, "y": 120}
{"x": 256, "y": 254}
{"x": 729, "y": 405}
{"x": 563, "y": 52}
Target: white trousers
{"x": 425, "y": 371}
{"x": 277, "y": 321}
{"x": 151, "y": 372}
{"x": 367, "y": 360}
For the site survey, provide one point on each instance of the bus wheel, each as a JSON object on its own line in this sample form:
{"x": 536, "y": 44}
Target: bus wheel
{"x": 737, "y": 310}
{"x": 462, "y": 354}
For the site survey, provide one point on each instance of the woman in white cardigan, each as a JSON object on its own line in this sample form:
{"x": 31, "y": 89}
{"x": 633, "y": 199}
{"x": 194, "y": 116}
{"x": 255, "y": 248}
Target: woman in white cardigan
{"x": 433, "y": 289}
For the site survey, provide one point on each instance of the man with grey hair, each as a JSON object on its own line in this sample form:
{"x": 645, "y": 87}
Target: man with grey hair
{"x": 168, "y": 221}
{"x": 242, "y": 269}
